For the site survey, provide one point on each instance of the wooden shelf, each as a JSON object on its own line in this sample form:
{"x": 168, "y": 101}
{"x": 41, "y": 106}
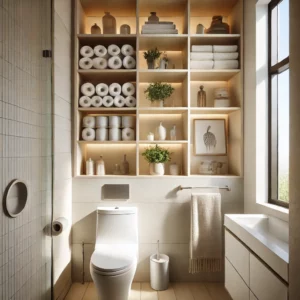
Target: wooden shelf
{"x": 163, "y": 75}
{"x": 214, "y": 110}
{"x": 108, "y": 110}
{"x": 162, "y": 142}
{"x": 164, "y": 42}
{"x": 108, "y": 76}
{"x": 106, "y": 142}
{"x": 214, "y": 39}
{"x": 162, "y": 110}
{"x": 213, "y": 75}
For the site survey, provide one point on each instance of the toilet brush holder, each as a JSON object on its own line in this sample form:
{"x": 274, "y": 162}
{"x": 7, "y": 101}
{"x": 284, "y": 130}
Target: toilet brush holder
{"x": 159, "y": 272}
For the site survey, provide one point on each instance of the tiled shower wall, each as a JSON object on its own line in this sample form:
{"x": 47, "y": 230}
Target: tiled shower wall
{"x": 25, "y": 146}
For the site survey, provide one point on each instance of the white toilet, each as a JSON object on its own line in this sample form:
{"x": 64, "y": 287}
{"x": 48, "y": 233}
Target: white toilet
{"x": 113, "y": 263}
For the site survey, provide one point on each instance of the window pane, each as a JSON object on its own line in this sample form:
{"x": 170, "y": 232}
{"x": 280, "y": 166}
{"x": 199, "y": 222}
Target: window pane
{"x": 274, "y": 36}
{"x": 283, "y": 136}
{"x": 283, "y": 30}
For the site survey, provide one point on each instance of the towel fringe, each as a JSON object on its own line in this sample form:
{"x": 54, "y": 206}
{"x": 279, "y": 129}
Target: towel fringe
{"x": 197, "y": 265}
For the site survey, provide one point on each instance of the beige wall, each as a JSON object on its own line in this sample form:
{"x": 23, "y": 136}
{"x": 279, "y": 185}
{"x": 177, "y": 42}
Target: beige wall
{"x": 62, "y": 185}
{"x": 164, "y": 215}
{"x": 294, "y": 290}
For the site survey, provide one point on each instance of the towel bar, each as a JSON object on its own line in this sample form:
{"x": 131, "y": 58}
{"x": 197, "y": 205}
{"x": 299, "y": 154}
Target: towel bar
{"x": 226, "y": 187}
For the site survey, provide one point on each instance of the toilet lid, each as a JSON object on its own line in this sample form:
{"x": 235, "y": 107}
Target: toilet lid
{"x": 114, "y": 257}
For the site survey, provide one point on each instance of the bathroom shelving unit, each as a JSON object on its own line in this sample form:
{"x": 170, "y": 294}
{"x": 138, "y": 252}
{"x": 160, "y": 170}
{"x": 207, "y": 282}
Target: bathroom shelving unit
{"x": 181, "y": 108}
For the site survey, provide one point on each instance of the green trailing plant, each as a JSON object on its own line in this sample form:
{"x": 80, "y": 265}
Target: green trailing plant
{"x": 152, "y": 55}
{"x": 158, "y": 91}
{"x": 156, "y": 154}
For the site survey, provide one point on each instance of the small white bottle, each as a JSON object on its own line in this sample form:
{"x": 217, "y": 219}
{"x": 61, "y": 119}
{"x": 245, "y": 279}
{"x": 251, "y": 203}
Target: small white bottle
{"x": 150, "y": 137}
{"x": 161, "y": 132}
{"x": 89, "y": 167}
{"x": 100, "y": 167}
{"x": 173, "y": 133}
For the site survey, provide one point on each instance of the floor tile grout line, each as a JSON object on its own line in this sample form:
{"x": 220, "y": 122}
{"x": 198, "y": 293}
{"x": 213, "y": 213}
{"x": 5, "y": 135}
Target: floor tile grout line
{"x": 85, "y": 291}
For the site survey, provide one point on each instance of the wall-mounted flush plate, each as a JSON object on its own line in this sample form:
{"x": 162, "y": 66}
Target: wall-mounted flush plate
{"x": 115, "y": 192}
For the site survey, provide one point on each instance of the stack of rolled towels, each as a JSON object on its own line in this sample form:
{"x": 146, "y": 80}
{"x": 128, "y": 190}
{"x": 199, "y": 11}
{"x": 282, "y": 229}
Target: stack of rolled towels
{"x": 107, "y": 95}
{"x": 108, "y": 128}
{"x": 112, "y": 57}
{"x": 219, "y": 57}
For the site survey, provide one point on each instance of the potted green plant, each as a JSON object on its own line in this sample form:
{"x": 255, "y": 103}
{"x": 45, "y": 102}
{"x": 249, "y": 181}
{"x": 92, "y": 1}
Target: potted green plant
{"x": 151, "y": 56}
{"x": 157, "y": 156}
{"x": 158, "y": 91}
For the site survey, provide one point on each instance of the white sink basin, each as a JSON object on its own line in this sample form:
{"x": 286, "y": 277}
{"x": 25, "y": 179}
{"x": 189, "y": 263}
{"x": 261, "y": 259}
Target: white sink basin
{"x": 267, "y": 236}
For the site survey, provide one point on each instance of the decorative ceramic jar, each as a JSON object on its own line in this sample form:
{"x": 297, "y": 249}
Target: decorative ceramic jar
{"x": 150, "y": 137}
{"x": 109, "y": 24}
{"x": 173, "y": 133}
{"x": 153, "y": 18}
{"x": 161, "y": 132}
{"x": 95, "y": 29}
{"x": 200, "y": 29}
{"x": 89, "y": 167}
{"x": 100, "y": 167}
{"x": 174, "y": 169}
{"x": 157, "y": 169}
{"x": 125, "y": 29}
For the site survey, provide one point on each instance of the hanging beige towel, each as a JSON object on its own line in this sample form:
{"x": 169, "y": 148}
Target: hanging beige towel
{"x": 206, "y": 232}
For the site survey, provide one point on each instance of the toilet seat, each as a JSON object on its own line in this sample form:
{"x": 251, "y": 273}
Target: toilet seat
{"x": 114, "y": 259}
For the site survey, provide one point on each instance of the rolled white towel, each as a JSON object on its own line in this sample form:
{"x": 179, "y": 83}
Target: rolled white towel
{"x": 115, "y": 134}
{"x": 202, "y": 56}
{"x": 86, "y": 51}
{"x": 101, "y": 134}
{"x": 128, "y": 122}
{"x": 128, "y": 134}
{"x": 128, "y": 89}
{"x": 96, "y": 101}
{"x": 226, "y": 56}
{"x": 202, "y": 48}
{"x": 100, "y": 63}
{"x": 89, "y": 122}
{"x": 202, "y": 65}
{"x": 127, "y": 50}
{"x": 129, "y": 62}
{"x": 102, "y": 89}
{"x": 85, "y": 101}
{"x": 115, "y": 62}
{"x": 85, "y": 63}
{"x": 88, "y": 134}
{"x": 130, "y": 101}
{"x": 113, "y": 50}
{"x": 114, "y": 121}
{"x": 108, "y": 101}
{"x": 115, "y": 89}
{"x": 226, "y": 64}
{"x": 100, "y": 51}
{"x": 225, "y": 48}
{"x": 119, "y": 101}
{"x": 88, "y": 89}
{"x": 101, "y": 122}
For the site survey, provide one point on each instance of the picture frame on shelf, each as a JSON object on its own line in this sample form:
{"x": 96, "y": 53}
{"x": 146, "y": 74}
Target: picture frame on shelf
{"x": 210, "y": 137}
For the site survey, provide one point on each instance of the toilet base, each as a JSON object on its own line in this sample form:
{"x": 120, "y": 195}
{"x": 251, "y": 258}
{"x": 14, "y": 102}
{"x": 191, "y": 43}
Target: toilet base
{"x": 116, "y": 287}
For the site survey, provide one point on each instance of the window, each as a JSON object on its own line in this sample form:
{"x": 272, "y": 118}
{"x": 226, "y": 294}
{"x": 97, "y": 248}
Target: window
{"x": 279, "y": 102}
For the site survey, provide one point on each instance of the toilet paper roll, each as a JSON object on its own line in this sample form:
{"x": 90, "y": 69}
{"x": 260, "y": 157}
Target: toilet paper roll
{"x": 86, "y": 63}
{"x": 87, "y": 51}
{"x": 130, "y": 101}
{"x": 128, "y": 134}
{"x": 129, "y": 62}
{"x": 100, "y": 63}
{"x": 96, "y": 101}
{"x": 128, "y": 122}
{"x": 101, "y": 134}
{"x": 88, "y": 89}
{"x": 102, "y": 89}
{"x": 119, "y": 101}
{"x": 85, "y": 101}
{"x": 108, "y": 101}
{"x": 100, "y": 51}
{"x": 128, "y": 89}
{"x": 88, "y": 134}
{"x": 114, "y": 121}
{"x": 113, "y": 50}
{"x": 127, "y": 50}
{"x": 101, "y": 122}
{"x": 115, "y": 62}
{"x": 89, "y": 122}
{"x": 115, "y": 134}
{"x": 59, "y": 226}
{"x": 115, "y": 89}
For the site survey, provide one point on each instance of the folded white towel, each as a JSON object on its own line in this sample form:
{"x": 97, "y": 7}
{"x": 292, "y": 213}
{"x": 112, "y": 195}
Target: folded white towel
{"x": 206, "y": 232}
{"x": 202, "y": 56}
{"x": 226, "y": 64}
{"x": 226, "y": 56}
{"x": 202, "y": 65}
{"x": 225, "y": 48}
{"x": 202, "y": 48}
{"x": 159, "y": 31}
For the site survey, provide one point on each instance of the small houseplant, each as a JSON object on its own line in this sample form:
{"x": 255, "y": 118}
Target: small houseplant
{"x": 157, "y": 156}
{"x": 151, "y": 56}
{"x": 159, "y": 92}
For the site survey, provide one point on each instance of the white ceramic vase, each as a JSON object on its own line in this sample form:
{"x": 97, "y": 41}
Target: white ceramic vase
{"x": 157, "y": 169}
{"x": 161, "y": 132}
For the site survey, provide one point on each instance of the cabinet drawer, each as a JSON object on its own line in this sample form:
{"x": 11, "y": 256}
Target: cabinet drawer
{"x": 234, "y": 284}
{"x": 264, "y": 284}
{"x": 238, "y": 255}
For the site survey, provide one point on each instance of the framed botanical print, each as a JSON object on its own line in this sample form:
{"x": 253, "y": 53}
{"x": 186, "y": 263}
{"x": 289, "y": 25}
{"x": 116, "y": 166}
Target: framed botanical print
{"x": 210, "y": 137}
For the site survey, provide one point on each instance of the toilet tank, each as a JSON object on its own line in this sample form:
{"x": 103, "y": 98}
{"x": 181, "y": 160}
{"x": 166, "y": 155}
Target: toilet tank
{"x": 116, "y": 225}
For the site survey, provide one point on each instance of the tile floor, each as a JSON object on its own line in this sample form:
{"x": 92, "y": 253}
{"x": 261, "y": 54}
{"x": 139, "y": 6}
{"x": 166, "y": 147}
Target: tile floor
{"x": 143, "y": 291}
